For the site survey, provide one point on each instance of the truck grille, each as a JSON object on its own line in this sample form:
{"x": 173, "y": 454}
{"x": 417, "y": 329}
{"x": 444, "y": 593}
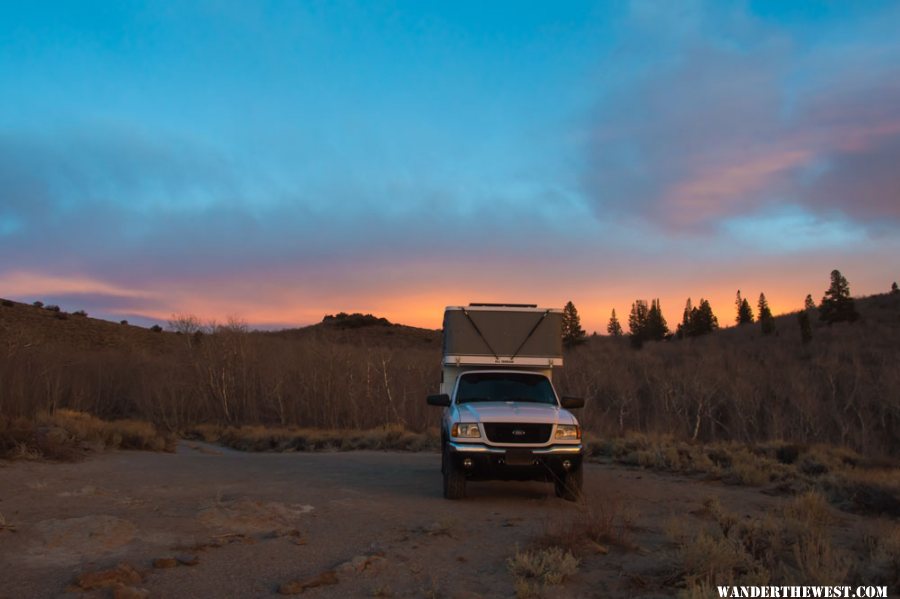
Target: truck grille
{"x": 517, "y": 433}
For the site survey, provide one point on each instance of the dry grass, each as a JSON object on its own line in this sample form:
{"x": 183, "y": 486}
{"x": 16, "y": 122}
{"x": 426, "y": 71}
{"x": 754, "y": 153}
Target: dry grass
{"x": 538, "y": 568}
{"x": 278, "y": 439}
{"x": 849, "y": 480}
{"x": 115, "y": 434}
{"x": 594, "y": 527}
{"x": 66, "y": 434}
{"x": 884, "y": 556}
{"x": 796, "y": 545}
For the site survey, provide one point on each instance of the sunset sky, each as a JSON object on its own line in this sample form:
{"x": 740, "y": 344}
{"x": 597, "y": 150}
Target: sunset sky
{"x": 277, "y": 161}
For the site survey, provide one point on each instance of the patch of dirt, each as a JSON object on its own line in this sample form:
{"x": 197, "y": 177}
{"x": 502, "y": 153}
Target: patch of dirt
{"x": 69, "y": 540}
{"x": 295, "y": 587}
{"x": 252, "y": 516}
{"x": 123, "y": 574}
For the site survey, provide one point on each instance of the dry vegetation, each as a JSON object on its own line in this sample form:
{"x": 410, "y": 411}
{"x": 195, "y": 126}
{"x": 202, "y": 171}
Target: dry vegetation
{"x": 804, "y": 540}
{"x": 62, "y": 435}
{"x": 733, "y": 386}
{"x": 851, "y": 481}
{"x": 799, "y": 543}
{"x": 536, "y": 569}
{"x": 281, "y": 439}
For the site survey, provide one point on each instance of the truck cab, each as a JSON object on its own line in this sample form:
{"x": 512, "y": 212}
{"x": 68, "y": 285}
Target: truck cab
{"x": 502, "y": 417}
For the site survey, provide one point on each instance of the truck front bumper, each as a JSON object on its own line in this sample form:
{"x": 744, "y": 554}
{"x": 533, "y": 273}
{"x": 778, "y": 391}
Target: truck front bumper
{"x": 486, "y": 462}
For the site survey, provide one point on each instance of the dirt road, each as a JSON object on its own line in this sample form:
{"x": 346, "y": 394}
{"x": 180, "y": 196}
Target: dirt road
{"x": 256, "y": 521}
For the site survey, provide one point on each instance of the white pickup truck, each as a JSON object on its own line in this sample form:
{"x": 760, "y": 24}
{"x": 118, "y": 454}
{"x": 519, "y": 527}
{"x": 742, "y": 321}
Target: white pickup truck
{"x": 502, "y": 418}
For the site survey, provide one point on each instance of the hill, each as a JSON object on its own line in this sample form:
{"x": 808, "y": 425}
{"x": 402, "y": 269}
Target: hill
{"x": 359, "y": 371}
{"x": 363, "y": 329}
{"x": 28, "y": 326}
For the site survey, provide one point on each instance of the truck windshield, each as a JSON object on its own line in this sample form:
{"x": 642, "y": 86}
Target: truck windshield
{"x": 504, "y": 386}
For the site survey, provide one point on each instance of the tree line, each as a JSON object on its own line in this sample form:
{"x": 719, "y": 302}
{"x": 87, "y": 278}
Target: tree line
{"x": 647, "y": 323}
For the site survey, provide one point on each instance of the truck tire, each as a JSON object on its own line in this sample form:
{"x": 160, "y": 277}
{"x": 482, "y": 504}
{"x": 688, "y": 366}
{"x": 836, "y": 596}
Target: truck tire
{"x": 569, "y": 485}
{"x": 454, "y": 477}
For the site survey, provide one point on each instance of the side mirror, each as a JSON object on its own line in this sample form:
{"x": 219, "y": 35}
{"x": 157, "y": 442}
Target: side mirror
{"x": 571, "y": 403}
{"x": 442, "y": 400}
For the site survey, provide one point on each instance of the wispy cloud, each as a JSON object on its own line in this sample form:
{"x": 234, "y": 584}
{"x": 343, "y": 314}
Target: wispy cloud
{"x": 740, "y": 116}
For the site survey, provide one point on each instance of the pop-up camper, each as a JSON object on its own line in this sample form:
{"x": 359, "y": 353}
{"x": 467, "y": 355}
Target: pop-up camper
{"x": 502, "y": 416}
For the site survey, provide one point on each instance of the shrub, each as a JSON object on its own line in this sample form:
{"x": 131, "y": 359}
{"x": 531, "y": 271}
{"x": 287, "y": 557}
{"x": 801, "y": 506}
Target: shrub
{"x": 52, "y": 308}
{"x": 79, "y": 313}
{"x": 38, "y": 304}
{"x": 548, "y": 566}
{"x": 123, "y": 322}
{"x": 8, "y": 303}
{"x": 356, "y": 320}
{"x": 156, "y": 328}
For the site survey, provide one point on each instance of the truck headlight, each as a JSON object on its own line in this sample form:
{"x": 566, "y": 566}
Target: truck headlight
{"x": 568, "y": 432}
{"x": 465, "y": 429}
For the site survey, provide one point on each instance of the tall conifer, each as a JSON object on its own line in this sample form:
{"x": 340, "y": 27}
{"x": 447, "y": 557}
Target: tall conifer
{"x": 837, "y": 305}
{"x": 766, "y": 320}
{"x": 573, "y": 334}
{"x": 614, "y": 328}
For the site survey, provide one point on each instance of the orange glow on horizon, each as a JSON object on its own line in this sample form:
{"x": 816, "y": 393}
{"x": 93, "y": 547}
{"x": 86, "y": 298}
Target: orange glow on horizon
{"x": 288, "y": 308}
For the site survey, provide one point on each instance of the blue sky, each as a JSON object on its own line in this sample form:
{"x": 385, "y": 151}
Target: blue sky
{"x": 279, "y": 161}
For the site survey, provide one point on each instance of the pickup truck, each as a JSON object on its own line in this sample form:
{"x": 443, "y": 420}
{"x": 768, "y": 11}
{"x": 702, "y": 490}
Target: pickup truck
{"x": 502, "y": 417}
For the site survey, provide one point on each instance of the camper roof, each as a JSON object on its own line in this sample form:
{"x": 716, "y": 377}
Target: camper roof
{"x": 507, "y": 334}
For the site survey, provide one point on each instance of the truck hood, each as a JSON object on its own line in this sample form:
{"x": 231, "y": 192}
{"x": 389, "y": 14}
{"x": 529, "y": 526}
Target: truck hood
{"x": 502, "y": 411}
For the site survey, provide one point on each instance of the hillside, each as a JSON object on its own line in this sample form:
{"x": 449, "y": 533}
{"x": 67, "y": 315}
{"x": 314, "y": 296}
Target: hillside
{"x": 36, "y": 326}
{"x": 363, "y": 329}
{"x": 27, "y": 326}
{"x": 358, "y": 371}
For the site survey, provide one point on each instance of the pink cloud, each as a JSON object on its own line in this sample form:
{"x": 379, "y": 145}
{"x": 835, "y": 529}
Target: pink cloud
{"x": 20, "y": 283}
{"x": 721, "y": 189}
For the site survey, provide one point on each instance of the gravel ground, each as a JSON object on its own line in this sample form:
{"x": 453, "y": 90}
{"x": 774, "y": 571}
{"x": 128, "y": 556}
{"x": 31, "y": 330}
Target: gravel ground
{"x": 212, "y": 522}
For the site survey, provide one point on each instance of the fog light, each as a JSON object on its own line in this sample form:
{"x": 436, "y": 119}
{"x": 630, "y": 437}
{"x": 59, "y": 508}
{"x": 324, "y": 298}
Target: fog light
{"x": 467, "y": 463}
{"x": 567, "y": 465}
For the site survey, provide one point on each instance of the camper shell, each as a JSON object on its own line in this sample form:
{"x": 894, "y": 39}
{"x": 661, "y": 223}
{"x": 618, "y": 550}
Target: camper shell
{"x": 502, "y": 418}
{"x": 505, "y": 336}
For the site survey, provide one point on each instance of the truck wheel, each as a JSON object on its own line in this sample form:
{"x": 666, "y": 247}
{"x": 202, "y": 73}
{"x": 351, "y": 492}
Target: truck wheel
{"x": 569, "y": 485}
{"x": 454, "y": 478}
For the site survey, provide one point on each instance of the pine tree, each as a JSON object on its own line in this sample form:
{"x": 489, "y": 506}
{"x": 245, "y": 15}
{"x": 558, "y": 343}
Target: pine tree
{"x": 894, "y": 288}
{"x": 657, "y": 329}
{"x": 637, "y": 322}
{"x": 614, "y": 328}
{"x": 805, "y": 327}
{"x": 837, "y": 305}
{"x": 703, "y": 320}
{"x": 744, "y": 311}
{"x": 573, "y": 334}
{"x": 685, "y": 329}
{"x": 766, "y": 321}
{"x": 808, "y": 303}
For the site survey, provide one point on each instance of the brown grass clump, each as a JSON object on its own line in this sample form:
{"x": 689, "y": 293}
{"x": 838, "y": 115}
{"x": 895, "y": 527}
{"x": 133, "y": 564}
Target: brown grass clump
{"x": 591, "y": 530}
{"x": 115, "y": 434}
{"x": 851, "y": 481}
{"x": 884, "y": 555}
{"x": 537, "y": 568}
{"x": 785, "y": 548}
{"x": 283, "y": 439}
{"x": 865, "y": 491}
{"x": 65, "y": 435}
